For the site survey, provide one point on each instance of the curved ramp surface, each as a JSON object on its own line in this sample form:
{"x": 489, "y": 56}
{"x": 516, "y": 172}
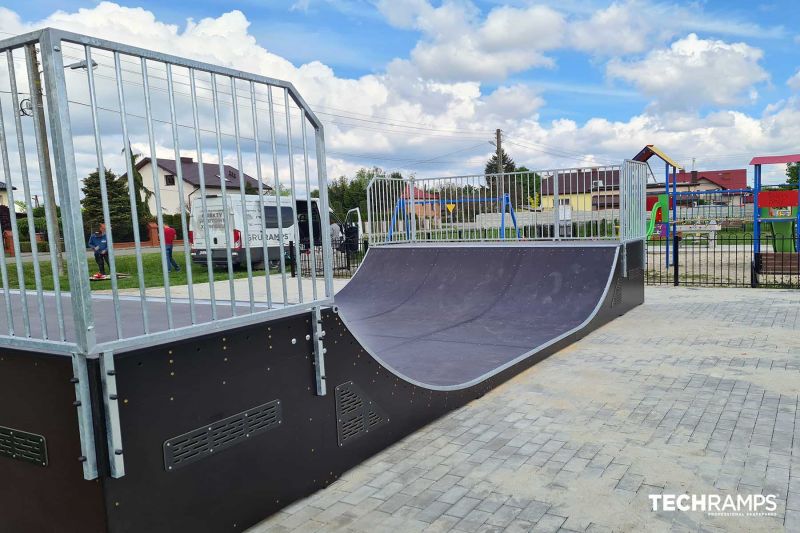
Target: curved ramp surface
{"x": 450, "y": 316}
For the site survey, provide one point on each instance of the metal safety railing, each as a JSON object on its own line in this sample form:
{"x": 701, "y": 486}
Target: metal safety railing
{"x": 595, "y": 203}
{"x": 201, "y": 175}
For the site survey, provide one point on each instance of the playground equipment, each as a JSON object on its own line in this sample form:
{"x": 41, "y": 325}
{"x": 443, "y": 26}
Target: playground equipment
{"x": 406, "y": 208}
{"x": 184, "y": 408}
{"x": 779, "y": 209}
{"x": 669, "y": 165}
{"x": 658, "y": 212}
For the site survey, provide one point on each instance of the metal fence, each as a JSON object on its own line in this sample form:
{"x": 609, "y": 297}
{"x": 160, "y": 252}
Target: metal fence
{"x": 726, "y": 260}
{"x": 711, "y": 240}
{"x": 579, "y": 203}
{"x": 346, "y": 257}
{"x": 237, "y": 157}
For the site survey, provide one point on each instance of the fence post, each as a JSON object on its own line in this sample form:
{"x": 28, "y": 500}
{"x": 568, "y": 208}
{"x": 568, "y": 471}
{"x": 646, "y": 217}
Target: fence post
{"x": 675, "y": 255}
{"x": 556, "y": 208}
{"x": 413, "y": 209}
{"x": 292, "y": 259}
{"x": 68, "y": 191}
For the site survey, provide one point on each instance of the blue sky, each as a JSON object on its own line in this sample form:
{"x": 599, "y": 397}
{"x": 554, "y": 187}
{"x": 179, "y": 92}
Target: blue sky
{"x": 355, "y": 39}
{"x": 587, "y": 81}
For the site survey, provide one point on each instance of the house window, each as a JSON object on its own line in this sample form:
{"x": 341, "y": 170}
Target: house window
{"x": 169, "y": 180}
{"x": 563, "y": 201}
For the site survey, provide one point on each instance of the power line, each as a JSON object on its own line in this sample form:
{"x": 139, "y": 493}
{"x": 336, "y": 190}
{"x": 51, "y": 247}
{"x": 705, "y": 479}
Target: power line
{"x": 396, "y": 123}
{"x": 563, "y": 155}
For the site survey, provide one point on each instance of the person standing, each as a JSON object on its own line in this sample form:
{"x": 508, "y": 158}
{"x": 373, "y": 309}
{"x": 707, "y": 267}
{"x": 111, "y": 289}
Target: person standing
{"x": 98, "y": 242}
{"x": 169, "y": 239}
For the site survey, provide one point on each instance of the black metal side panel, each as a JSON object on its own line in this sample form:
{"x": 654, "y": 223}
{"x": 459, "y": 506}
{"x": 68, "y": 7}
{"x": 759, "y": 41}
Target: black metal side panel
{"x": 173, "y": 390}
{"x": 36, "y": 397}
{"x": 170, "y": 391}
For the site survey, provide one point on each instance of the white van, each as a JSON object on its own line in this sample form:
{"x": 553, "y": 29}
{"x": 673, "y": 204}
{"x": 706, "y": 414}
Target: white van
{"x": 237, "y": 217}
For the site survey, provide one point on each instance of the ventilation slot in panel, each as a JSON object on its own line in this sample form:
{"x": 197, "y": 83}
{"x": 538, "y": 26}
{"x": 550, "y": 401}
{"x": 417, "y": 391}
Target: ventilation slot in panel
{"x": 356, "y": 414}
{"x": 208, "y": 440}
{"x": 23, "y": 446}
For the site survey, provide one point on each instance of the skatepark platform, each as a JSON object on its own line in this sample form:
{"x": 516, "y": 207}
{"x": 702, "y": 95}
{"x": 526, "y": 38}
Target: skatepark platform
{"x": 221, "y": 430}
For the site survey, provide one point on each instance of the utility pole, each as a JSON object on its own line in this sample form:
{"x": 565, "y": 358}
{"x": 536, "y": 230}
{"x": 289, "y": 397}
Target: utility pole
{"x": 498, "y": 144}
{"x": 46, "y": 172}
{"x": 502, "y": 189}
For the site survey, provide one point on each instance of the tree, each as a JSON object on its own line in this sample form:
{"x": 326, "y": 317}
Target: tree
{"x": 491, "y": 164}
{"x": 345, "y": 194}
{"x": 143, "y": 194}
{"x": 118, "y": 206}
{"x": 791, "y": 173}
{"x": 490, "y": 169}
{"x": 529, "y": 187}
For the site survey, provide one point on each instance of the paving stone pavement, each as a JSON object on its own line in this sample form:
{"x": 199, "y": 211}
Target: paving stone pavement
{"x": 694, "y": 392}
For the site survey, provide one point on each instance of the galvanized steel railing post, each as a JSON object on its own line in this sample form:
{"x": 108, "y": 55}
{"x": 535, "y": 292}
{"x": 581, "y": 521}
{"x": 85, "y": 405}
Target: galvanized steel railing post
{"x": 327, "y": 252}
{"x": 319, "y": 351}
{"x": 556, "y": 208}
{"x": 69, "y": 193}
{"x": 111, "y": 408}
{"x": 83, "y": 406}
{"x": 413, "y": 213}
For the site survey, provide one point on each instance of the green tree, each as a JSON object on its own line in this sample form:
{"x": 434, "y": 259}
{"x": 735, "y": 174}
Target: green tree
{"x": 491, "y": 164}
{"x": 791, "y": 173}
{"x": 493, "y": 181}
{"x": 345, "y": 194}
{"x": 143, "y": 194}
{"x": 118, "y": 206}
{"x": 529, "y": 187}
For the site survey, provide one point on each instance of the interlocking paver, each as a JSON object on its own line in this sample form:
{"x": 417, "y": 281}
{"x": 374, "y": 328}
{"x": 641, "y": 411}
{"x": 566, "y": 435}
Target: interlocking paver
{"x": 696, "y": 391}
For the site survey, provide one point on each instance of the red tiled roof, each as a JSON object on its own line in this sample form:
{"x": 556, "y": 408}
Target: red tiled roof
{"x": 725, "y": 179}
{"x": 775, "y": 159}
{"x": 583, "y": 181}
{"x": 419, "y": 194}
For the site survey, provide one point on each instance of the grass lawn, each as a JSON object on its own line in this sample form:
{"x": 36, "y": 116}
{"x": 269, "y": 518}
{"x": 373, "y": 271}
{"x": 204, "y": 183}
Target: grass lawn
{"x": 151, "y": 264}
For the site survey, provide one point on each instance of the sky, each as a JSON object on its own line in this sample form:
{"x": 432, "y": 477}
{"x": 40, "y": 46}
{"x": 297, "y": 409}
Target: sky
{"x": 420, "y": 86}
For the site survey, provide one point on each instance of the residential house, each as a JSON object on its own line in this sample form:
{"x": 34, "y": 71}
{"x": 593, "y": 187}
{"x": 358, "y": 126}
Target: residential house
{"x": 167, "y": 177}
{"x": 709, "y": 180}
{"x": 4, "y": 194}
{"x": 426, "y": 204}
{"x": 582, "y": 189}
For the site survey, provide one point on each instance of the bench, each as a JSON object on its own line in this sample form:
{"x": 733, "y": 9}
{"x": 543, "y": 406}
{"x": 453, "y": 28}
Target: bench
{"x": 779, "y": 263}
{"x": 709, "y": 231}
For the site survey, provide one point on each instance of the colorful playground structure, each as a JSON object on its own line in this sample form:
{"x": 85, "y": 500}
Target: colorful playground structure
{"x": 658, "y": 207}
{"x": 764, "y": 217}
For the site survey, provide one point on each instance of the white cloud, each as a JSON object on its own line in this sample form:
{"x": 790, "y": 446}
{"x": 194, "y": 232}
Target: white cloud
{"x": 635, "y": 26}
{"x": 623, "y": 27}
{"x": 404, "y": 13}
{"x": 513, "y": 103}
{"x": 794, "y": 81}
{"x": 300, "y": 5}
{"x": 458, "y": 46}
{"x": 694, "y": 72}
{"x": 402, "y": 95}
{"x": 618, "y": 29}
